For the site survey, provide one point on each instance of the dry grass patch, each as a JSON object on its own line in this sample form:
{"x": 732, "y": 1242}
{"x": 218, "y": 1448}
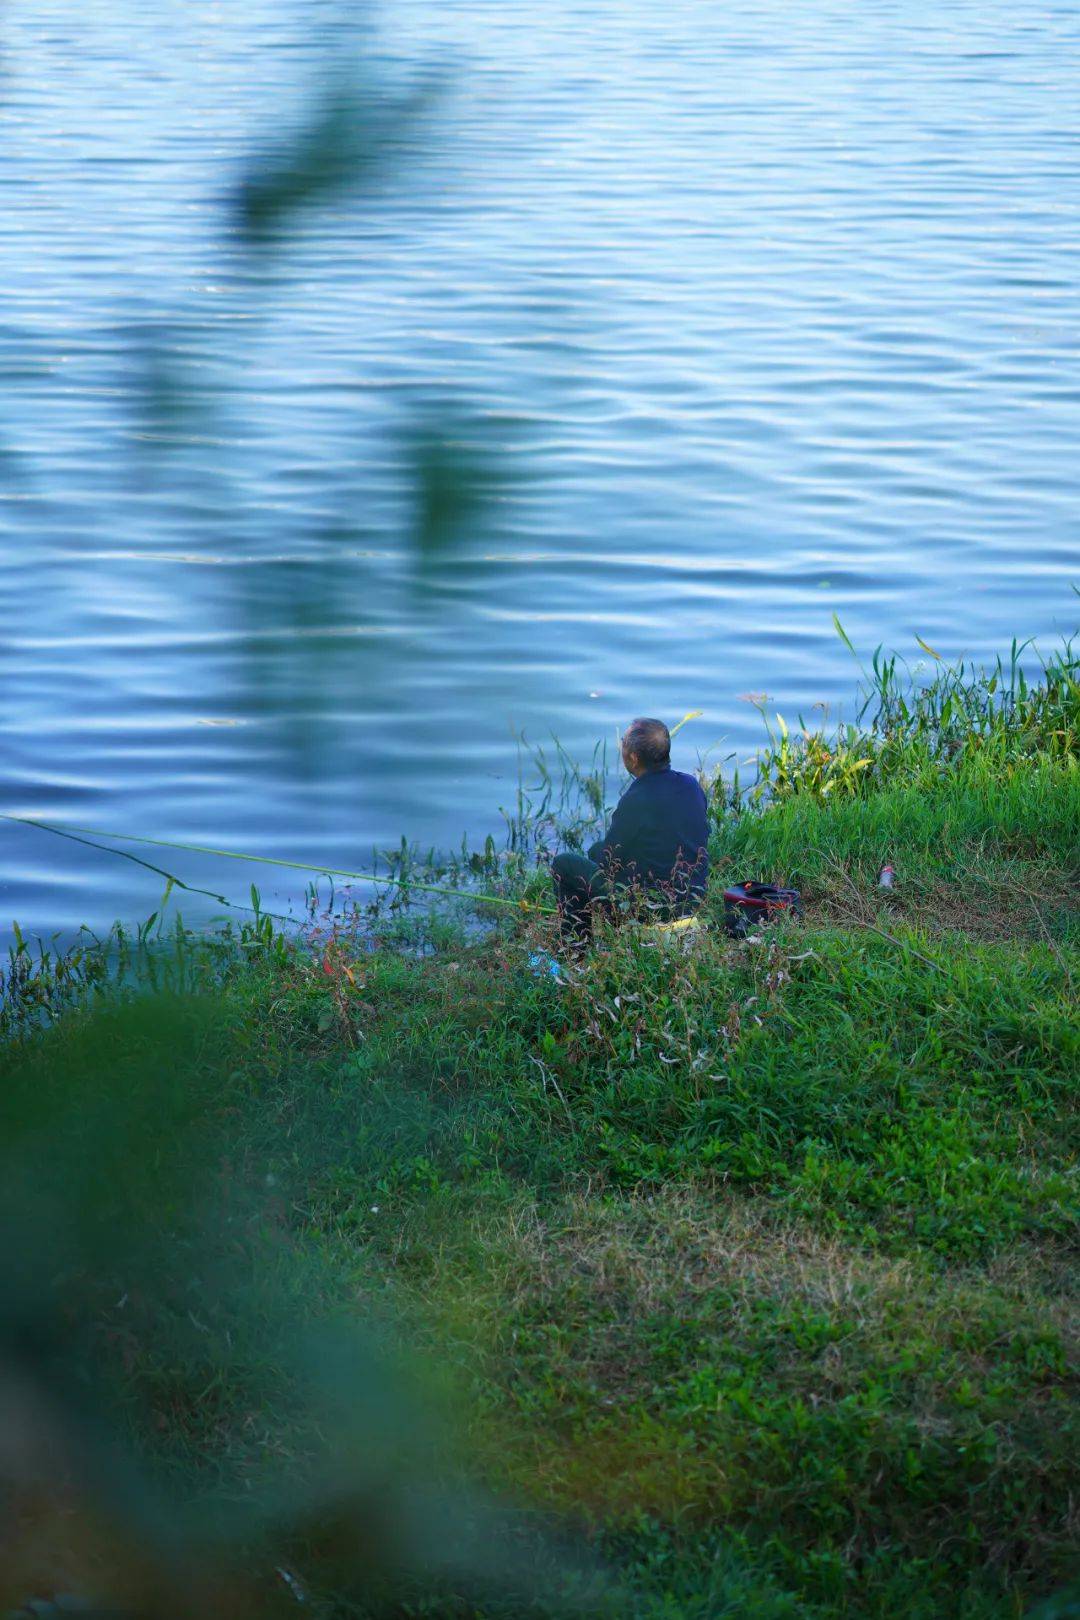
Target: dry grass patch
{"x": 701, "y": 1359}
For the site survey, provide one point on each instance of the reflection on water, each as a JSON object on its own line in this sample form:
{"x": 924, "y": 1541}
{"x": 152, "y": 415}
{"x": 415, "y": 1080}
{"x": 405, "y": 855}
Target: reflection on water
{"x": 727, "y": 321}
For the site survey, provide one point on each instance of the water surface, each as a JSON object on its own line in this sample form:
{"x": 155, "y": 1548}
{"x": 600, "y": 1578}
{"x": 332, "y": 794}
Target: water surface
{"x": 752, "y": 314}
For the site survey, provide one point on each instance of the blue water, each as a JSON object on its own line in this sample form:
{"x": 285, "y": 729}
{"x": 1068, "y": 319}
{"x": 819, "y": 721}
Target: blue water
{"x": 754, "y": 315}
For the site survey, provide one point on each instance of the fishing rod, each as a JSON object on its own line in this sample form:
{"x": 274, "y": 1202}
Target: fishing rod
{"x": 81, "y": 835}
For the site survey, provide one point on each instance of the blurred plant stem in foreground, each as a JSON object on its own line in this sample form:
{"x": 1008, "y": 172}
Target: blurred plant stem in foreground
{"x": 187, "y": 1403}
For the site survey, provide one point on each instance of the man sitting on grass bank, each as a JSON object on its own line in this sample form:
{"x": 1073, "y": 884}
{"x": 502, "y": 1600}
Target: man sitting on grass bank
{"x": 654, "y": 851}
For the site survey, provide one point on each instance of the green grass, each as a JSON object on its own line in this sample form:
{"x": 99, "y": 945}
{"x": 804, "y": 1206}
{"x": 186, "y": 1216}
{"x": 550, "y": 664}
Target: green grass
{"x": 753, "y": 1267}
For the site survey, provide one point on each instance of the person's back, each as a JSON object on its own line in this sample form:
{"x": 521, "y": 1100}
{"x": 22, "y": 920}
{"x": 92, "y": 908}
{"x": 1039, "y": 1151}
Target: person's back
{"x": 656, "y": 843}
{"x": 658, "y": 835}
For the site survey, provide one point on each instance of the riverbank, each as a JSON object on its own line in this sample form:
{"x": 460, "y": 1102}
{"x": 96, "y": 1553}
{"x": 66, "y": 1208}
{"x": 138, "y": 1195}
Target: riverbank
{"x": 755, "y": 1266}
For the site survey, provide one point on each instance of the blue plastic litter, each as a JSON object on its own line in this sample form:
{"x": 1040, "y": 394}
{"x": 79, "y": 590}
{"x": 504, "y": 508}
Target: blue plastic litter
{"x": 540, "y": 963}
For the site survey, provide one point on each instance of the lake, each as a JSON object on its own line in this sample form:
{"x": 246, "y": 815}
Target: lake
{"x": 653, "y": 337}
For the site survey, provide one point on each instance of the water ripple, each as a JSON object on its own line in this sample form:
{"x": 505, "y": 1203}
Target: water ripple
{"x": 764, "y": 319}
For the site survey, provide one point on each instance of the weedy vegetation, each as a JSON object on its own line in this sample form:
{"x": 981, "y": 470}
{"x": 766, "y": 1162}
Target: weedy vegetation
{"x": 745, "y": 1273}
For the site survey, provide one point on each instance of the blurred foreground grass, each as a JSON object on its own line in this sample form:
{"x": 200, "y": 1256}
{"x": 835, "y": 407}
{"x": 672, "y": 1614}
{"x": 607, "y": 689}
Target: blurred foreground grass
{"x": 747, "y": 1274}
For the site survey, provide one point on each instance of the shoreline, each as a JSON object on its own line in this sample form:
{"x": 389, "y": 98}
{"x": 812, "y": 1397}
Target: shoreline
{"x": 747, "y": 1273}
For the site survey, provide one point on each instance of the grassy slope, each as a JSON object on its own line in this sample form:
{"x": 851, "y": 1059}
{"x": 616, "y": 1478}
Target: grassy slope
{"x": 758, "y": 1262}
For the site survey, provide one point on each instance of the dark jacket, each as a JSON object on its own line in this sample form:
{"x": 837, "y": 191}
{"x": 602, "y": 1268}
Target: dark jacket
{"x": 658, "y": 835}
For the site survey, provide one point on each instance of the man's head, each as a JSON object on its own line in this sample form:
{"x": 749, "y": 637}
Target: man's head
{"x": 646, "y": 746}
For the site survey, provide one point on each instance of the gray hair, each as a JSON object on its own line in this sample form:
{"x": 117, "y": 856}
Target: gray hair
{"x": 650, "y": 740}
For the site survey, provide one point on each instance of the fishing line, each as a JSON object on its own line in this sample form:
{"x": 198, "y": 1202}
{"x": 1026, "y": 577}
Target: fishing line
{"x": 74, "y": 832}
{"x": 172, "y": 881}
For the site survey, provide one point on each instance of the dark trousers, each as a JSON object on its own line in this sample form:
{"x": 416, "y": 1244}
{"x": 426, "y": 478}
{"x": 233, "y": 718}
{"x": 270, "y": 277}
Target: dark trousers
{"x": 584, "y": 890}
{"x": 581, "y": 889}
